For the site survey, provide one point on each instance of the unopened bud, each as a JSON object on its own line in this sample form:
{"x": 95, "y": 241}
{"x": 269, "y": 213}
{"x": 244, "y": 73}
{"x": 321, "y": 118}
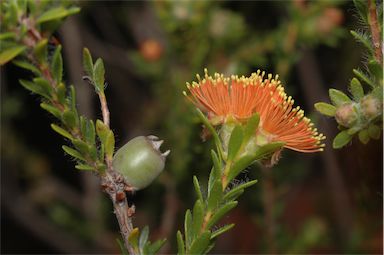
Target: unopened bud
{"x": 140, "y": 161}
{"x": 370, "y": 107}
{"x": 346, "y": 115}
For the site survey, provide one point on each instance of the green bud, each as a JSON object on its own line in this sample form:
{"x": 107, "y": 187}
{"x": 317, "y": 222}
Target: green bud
{"x": 346, "y": 115}
{"x": 370, "y": 107}
{"x": 140, "y": 161}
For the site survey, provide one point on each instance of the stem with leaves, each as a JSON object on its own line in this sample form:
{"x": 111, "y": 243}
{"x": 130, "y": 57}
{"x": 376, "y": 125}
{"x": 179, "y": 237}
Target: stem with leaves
{"x": 228, "y": 162}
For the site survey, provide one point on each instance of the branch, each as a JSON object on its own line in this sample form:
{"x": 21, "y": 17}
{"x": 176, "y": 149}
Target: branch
{"x": 375, "y": 30}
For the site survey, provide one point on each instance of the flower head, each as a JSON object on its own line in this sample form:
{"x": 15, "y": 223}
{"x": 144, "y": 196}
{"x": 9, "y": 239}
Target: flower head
{"x": 237, "y": 99}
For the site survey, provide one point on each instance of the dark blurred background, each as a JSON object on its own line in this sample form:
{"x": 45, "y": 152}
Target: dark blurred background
{"x": 328, "y": 202}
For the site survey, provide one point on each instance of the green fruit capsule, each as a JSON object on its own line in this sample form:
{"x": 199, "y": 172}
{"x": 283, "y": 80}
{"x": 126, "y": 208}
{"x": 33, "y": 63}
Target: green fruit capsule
{"x": 140, "y": 161}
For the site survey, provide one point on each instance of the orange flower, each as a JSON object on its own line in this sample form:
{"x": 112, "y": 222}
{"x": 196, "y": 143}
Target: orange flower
{"x": 237, "y": 99}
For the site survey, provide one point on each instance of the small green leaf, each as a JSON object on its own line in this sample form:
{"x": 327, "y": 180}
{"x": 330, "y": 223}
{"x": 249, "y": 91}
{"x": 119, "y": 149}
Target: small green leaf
{"x": 155, "y": 247}
{"x": 87, "y": 62}
{"x": 353, "y": 130}
{"x": 81, "y": 146}
{"x": 70, "y": 118}
{"x": 363, "y": 39}
{"x": 188, "y": 228}
{"x": 245, "y": 161}
{"x": 374, "y": 131}
{"x": 220, "y": 213}
{"x": 61, "y": 92}
{"x": 338, "y": 98}
{"x": 251, "y": 126}
{"x": 133, "y": 239}
{"x": 72, "y": 152}
{"x": 84, "y": 167}
{"x": 201, "y": 243}
{"x": 61, "y": 131}
{"x": 40, "y": 50}
{"x": 102, "y": 131}
{"x": 26, "y": 65}
{"x": 341, "y": 139}
{"x": 364, "y": 136}
{"x": 198, "y": 217}
{"x": 72, "y": 97}
{"x": 98, "y": 75}
{"x": 356, "y": 89}
{"x": 215, "y": 196}
{"x": 51, "y": 109}
{"x": 243, "y": 186}
{"x": 45, "y": 86}
{"x": 10, "y": 53}
{"x": 215, "y": 171}
{"x": 143, "y": 238}
{"x": 109, "y": 144}
{"x": 197, "y": 188}
{"x": 235, "y": 142}
{"x": 180, "y": 244}
{"x": 375, "y": 69}
{"x": 326, "y": 109}
{"x": 56, "y": 13}
{"x": 34, "y": 88}
{"x": 222, "y": 230}
{"x": 57, "y": 65}
{"x": 364, "y": 78}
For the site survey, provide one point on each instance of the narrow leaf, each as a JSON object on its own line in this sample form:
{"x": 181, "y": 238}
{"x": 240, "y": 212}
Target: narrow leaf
{"x": 197, "y": 188}
{"x": 220, "y": 213}
{"x": 98, "y": 75}
{"x": 56, "y": 13}
{"x": 356, "y": 89}
{"x": 326, "y": 109}
{"x": 109, "y": 144}
{"x": 374, "y": 131}
{"x": 156, "y": 246}
{"x": 251, "y": 127}
{"x": 123, "y": 250}
{"x": 57, "y": 65}
{"x": 364, "y": 136}
{"x": 201, "y": 243}
{"x": 51, "y": 109}
{"x": 243, "y": 186}
{"x": 26, "y": 65}
{"x": 61, "y": 93}
{"x": 363, "y": 39}
{"x": 72, "y": 152}
{"x": 87, "y": 62}
{"x": 69, "y": 118}
{"x": 10, "y": 53}
{"x": 341, "y": 139}
{"x": 375, "y": 69}
{"x": 215, "y": 196}
{"x": 102, "y": 131}
{"x": 81, "y": 146}
{"x": 188, "y": 228}
{"x": 61, "y": 131}
{"x": 40, "y": 50}
{"x": 338, "y": 98}
{"x": 364, "y": 78}
{"x": 235, "y": 142}
{"x": 222, "y": 230}
{"x": 180, "y": 244}
{"x": 34, "y": 88}
{"x": 198, "y": 217}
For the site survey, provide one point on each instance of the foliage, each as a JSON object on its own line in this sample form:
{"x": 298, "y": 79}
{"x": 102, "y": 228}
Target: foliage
{"x": 361, "y": 114}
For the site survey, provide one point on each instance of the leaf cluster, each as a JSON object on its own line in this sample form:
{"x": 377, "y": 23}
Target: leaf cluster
{"x": 199, "y": 236}
{"x": 366, "y": 89}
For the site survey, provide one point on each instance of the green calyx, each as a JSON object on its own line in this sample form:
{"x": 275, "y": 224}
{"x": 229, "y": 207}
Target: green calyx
{"x": 140, "y": 161}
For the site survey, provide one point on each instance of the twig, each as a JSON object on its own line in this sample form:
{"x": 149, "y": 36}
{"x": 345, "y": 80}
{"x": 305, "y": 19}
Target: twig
{"x": 375, "y": 30}
{"x": 115, "y": 186}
